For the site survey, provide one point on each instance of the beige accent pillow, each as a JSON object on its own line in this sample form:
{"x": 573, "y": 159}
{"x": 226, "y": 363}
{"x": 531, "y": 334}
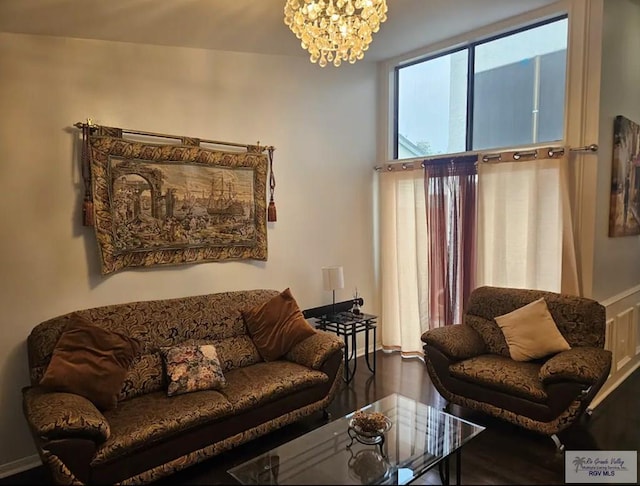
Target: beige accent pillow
{"x": 531, "y": 332}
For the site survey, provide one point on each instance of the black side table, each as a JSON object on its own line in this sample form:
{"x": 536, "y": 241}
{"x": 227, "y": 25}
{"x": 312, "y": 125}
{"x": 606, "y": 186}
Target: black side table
{"x": 348, "y": 325}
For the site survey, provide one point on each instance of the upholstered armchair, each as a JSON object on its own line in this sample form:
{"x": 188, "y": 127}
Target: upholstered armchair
{"x": 544, "y": 390}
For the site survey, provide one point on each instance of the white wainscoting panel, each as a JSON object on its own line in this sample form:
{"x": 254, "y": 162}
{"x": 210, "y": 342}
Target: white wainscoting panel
{"x": 622, "y": 339}
{"x": 609, "y": 340}
{"x": 637, "y": 330}
{"x": 623, "y": 332}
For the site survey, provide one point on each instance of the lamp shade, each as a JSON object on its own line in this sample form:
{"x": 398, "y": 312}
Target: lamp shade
{"x": 332, "y": 278}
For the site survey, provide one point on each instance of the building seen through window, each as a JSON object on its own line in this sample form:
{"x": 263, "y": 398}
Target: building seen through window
{"x": 503, "y": 92}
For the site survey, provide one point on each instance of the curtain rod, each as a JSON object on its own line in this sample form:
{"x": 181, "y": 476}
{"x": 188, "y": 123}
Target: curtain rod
{"x": 92, "y": 126}
{"x": 489, "y": 157}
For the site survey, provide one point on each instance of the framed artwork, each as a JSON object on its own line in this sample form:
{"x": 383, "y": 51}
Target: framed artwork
{"x": 160, "y": 204}
{"x": 624, "y": 209}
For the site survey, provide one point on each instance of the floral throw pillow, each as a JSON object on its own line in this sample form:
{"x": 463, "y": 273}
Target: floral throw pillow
{"x": 192, "y": 367}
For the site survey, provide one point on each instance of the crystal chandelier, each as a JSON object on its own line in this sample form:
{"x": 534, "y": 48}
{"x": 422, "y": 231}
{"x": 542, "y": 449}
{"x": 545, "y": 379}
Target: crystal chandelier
{"x": 335, "y": 30}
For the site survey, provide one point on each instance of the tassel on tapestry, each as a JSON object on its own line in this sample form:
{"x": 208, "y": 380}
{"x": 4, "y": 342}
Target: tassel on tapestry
{"x": 272, "y": 215}
{"x": 87, "y": 205}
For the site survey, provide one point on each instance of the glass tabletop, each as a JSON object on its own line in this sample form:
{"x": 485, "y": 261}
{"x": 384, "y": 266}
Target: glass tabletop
{"x": 419, "y": 438}
{"x": 346, "y": 317}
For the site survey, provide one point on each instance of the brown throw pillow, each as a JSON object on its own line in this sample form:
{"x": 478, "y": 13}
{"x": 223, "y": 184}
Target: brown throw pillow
{"x": 531, "y": 332}
{"x": 277, "y": 326}
{"x": 90, "y": 361}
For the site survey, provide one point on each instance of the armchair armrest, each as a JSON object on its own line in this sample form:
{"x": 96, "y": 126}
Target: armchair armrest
{"x": 313, "y": 351}
{"x": 582, "y": 364}
{"x": 457, "y": 341}
{"x": 55, "y": 415}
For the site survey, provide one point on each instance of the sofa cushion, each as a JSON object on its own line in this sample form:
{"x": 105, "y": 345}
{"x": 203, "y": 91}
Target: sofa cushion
{"x": 518, "y": 378}
{"x": 314, "y": 351}
{"x": 457, "y": 341}
{"x": 583, "y": 365}
{"x": 277, "y": 325}
{"x": 146, "y": 372}
{"x": 247, "y": 387}
{"x": 490, "y": 333}
{"x": 145, "y": 375}
{"x": 55, "y": 415}
{"x": 149, "y": 418}
{"x": 237, "y": 352}
{"x": 531, "y": 332}
{"x": 90, "y": 361}
{"x": 580, "y": 320}
{"x": 213, "y": 318}
{"x": 192, "y": 367}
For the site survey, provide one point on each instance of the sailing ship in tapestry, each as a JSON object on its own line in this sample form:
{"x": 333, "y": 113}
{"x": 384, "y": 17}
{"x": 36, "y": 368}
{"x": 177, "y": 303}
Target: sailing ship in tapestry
{"x": 177, "y": 205}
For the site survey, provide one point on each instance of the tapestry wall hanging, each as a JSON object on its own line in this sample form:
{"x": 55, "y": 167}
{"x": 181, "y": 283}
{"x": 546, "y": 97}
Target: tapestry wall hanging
{"x": 624, "y": 209}
{"x": 169, "y": 204}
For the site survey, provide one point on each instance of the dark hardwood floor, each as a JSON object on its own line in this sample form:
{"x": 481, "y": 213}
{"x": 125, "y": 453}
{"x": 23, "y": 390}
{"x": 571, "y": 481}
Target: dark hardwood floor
{"x": 502, "y": 454}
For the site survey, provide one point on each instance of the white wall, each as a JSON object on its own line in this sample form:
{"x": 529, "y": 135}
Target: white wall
{"x": 616, "y": 263}
{"x": 321, "y": 121}
{"x": 616, "y": 260}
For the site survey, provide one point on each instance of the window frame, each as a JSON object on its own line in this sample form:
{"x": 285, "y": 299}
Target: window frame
{"x": 470, "y": 47}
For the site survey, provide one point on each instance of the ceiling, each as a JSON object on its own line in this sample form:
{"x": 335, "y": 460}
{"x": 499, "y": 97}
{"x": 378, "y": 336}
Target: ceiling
{"x": 244, "y": 25}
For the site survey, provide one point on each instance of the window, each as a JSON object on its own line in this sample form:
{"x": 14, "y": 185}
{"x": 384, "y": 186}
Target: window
{"x": 501, "y": 92}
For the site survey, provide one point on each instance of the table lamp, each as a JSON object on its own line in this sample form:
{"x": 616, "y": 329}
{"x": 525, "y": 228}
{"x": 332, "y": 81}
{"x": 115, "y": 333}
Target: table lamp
{"x": 332, "y": 279}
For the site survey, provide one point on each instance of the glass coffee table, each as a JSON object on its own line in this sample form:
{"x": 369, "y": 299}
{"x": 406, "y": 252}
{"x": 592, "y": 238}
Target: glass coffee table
{"x": 420, "y": 438}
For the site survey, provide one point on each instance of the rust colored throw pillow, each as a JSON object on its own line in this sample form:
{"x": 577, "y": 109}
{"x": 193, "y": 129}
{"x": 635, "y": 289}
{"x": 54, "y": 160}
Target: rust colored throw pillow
{"x": 531, "y": 332}
{"x": 90, "y": 361}
{"x": 277, "y": 325}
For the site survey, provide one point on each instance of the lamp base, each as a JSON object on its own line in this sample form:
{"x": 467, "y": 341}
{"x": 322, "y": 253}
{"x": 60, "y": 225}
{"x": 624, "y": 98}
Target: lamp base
{"x": 333, "y": 306}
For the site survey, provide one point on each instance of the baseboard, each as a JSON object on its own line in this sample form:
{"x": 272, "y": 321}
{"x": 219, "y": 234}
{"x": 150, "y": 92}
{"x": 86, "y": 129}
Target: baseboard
{"x": 360, "y": 351}
{"x": 19, "y": 466}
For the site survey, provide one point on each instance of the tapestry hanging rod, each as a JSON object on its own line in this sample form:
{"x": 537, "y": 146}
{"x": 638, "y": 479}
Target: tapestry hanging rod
{"x": 187, "y": 140}
{"x": 492, "y": 157}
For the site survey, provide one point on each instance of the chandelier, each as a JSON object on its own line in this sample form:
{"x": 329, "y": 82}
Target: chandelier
{"x": 335, "y": 30}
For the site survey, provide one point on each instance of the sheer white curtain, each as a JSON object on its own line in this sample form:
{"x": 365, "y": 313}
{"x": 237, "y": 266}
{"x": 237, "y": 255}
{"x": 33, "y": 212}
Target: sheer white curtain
{"x": 403, "y": 261}
{"x": 525, "y": 236}
{"x": 524, "y": 239}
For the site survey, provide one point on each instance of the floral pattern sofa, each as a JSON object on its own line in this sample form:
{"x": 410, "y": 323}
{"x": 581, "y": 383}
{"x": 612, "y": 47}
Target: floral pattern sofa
{"x": 470, "y": 364}
{"x": 149, "y": 434}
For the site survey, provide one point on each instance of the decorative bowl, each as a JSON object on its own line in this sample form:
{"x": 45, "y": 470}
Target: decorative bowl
{"x": 369, "y": 428}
